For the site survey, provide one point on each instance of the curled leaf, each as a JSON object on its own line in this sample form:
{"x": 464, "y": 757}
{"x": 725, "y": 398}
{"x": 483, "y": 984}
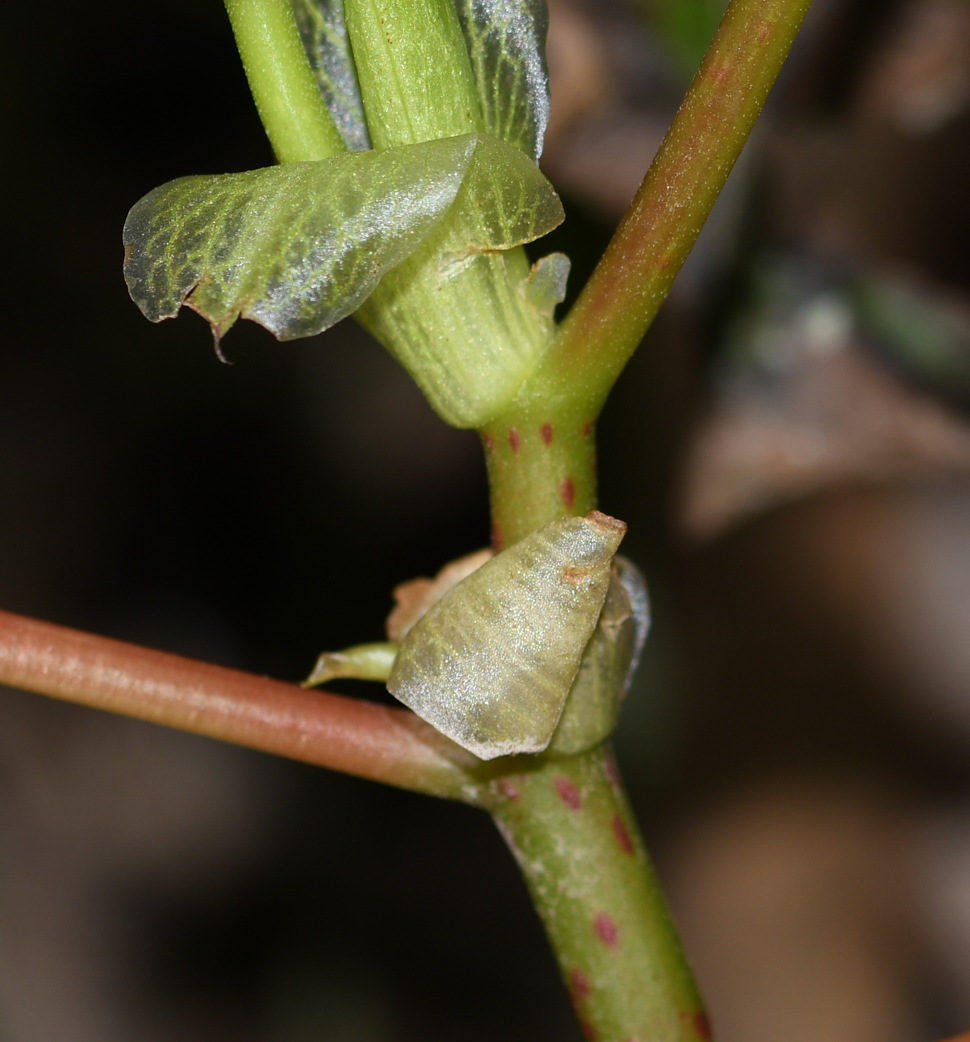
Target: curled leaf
{"x": 609, "y": 662}
{"x": 451, "y": 313}
{"x": 323, "y": 31}
{"x": 507, "y": 45}
{"x": 546, "y": 285}
{"x": 361, "y": 662}
{"x": 295, "y": 247}
{"x": 298, "y": 247}
{"x": 492, "y": 663}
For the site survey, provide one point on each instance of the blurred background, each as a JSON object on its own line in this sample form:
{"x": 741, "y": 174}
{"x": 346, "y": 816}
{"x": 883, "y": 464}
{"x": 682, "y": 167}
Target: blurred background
{"x": 790, "y": 447}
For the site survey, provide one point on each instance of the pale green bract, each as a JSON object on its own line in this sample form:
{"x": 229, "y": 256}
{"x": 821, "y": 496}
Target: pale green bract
{"x": 458, "y": 314}
{"x": 297, "y": 247}
{"x": 492, "y": 663}
{"x": 323, "y": 31}
{"x": 609, "y": 663}
{"x": 507, "y": 45}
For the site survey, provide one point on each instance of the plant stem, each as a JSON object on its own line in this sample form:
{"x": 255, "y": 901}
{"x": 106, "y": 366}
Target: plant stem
{"x": 566, "y": 820}
{"x": 574, "y": 836}
{"x": 414, "y": 71}
{"x": 289, "y": 101}
{"x": 345, "y": 734}
{"x": 651, "y": 244}
{"x": 541, "y": 466}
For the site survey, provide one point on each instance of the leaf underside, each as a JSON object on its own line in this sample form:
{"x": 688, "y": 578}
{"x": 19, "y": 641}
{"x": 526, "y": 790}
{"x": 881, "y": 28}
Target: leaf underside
{"x": 298, "y": 247}
{"x": 323, "y": 31}
{"x": 506, "y": 42}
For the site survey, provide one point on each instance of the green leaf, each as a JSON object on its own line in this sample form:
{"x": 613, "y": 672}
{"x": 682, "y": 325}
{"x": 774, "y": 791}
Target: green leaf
{"x": 298, "y": 247}
{"x": 361, "y": 662}
{"x": 295, "y": 247}
{"x": 546, "y": 285}
{"x": 452, "y": 313}
{"x": 507, "y": 45}
{"x": 609, "y": 662}
{"x": 492, "y": 663}
{"x": 323, "y": 31}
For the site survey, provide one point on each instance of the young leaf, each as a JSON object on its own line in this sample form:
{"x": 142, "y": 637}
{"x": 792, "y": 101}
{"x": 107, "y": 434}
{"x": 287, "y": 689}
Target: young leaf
{"x": 452, "y": 313}
{"x": 323, "y": 31}
{"x": 507, "y": 45}
{"x": 361, "y": 662}
{"x": 546, "y": 285}
{"x": 608, "y": 665}
{"x": 297, "y": 247}
{"x": 491, "y": 664}
{"x": 294, "y": 247}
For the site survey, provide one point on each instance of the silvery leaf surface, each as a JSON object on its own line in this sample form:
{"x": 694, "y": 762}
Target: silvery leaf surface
{"x": 492, "y": 663}
{"x": 299, "y": 246}
{"x": 608, "y": 664}
{"x": 545, "y": 287}
{"x": 452, "y": 313}
{"x": 507, "y": 45}
{"x": 295, "y": 247}
{"x": 323, "y": 31}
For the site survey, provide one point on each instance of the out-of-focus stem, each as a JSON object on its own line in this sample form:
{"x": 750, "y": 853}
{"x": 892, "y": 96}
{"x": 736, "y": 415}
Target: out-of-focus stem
{"x": 651, "y": 244}
{"x": 345, "y": 734}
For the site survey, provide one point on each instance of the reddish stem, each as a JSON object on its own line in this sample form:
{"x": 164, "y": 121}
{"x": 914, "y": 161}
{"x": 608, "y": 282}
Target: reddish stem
{"x": 345, "y": 734}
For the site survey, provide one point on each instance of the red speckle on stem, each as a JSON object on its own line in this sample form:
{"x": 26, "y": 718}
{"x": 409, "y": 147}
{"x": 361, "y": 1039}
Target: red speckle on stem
{"x": 547, "y": 434}
{"x": 722, "y": 73}
{"x": 514, "y": 440}
{"x": 568, "y": 792}
{"x": 613, "y": 773}
{"x": 589, "y": 1032}
{"x": 489, "y": 441}
{"x": 606, "y": 930}
{"x": 567, "y": 493}
{"x": 507, "y": 789}
{"x": 578, "y": 986}
{"x": 586, "y": 428}
{"x": 664, "y": 263}
{"x": 622, "y": 836}
{"x": 497, "y": 539}
{"x": 764, "y": 31}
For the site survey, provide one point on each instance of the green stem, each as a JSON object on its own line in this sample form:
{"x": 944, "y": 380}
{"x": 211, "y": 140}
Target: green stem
{"x": 566, "y": 819}
{"x": 651, "y": 244}
{"x": 415, "y": 74}
{"x": 572, "y": 831}
{"x": 289, "y": 101}
{"x": 541, "y": 466}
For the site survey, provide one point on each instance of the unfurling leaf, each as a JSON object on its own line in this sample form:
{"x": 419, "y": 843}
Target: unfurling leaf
{"x": 417, "y": 597}
{"x": 300, "y": 246}
{"x": 323, "y": 31}
{"x": 361, "y": 662}
{"x": 546, "y": 285}
{"x": 294, "y": 247}
{"x": 492, "y": 663}
{"x": 507, "y": 45}
{"x": 608, "y": 665}
{"x": 451, "y": 313}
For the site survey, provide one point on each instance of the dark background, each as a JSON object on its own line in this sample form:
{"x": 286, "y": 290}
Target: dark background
{"x": 158, "y": 886}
